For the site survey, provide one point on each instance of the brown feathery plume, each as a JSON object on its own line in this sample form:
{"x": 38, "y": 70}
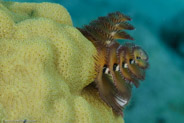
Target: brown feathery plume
{"x": 118, "y": 67}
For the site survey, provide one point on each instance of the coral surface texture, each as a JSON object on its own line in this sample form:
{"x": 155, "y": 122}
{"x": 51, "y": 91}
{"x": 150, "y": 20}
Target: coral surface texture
{"x": 45, "y": 65}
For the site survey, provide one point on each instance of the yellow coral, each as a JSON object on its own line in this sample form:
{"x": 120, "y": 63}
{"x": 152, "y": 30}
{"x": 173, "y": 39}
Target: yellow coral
{"x": 45, "y": 64}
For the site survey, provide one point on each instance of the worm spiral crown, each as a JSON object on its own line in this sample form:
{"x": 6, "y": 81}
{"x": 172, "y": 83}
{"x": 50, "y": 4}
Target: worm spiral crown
{"x": 118, "y": 66}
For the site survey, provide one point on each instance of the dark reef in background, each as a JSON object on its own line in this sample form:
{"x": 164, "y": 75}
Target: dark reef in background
{"x": 172, "y": 33}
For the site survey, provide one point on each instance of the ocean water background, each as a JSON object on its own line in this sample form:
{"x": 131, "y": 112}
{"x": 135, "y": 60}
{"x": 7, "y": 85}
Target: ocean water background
{"x": 160, "y": 31}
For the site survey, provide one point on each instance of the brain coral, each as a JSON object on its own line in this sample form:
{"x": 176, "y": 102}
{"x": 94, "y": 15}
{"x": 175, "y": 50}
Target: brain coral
{"x": 45, "y": 64}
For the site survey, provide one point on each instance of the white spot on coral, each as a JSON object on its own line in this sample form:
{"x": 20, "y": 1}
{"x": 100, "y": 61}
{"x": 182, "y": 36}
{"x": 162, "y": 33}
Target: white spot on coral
{"x": 125, "y": 65}
{"x": 132, "y": 61}
{"x": 121, "y": 101}
{"x": 117, "y": 68}
{"x": 107, "y": 71}
{"x": 113, "y": 33}
{"x": 116, "y": 25}
{"x": 108, "y": 42}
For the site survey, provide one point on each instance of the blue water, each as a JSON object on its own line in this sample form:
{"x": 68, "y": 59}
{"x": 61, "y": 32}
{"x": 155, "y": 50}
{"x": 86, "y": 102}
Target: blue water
{"x": 160, "y": 31}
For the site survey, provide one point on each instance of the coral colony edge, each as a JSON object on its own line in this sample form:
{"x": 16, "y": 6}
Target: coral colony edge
{"x": 53, "y": 72}
{"x": 118, "y": 66}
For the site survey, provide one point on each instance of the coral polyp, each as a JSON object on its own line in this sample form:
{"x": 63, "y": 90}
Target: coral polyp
{"x": 118, "y": 67}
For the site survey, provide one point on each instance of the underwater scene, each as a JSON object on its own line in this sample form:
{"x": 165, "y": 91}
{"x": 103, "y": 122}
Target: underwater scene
{"x": 157, "y": 26}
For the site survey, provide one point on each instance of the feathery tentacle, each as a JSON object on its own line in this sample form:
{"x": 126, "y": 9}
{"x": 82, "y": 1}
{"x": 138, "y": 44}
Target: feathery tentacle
{"x": 117, "y": 66}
